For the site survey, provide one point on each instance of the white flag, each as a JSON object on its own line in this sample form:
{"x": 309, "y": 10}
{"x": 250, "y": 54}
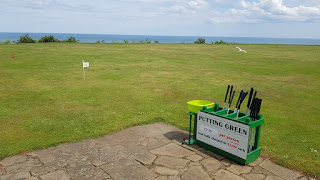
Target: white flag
{"x": 85, "y": 64}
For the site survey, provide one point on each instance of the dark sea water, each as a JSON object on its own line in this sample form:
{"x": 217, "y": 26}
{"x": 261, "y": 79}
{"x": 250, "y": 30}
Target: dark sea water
{"x": 108, "y": 38}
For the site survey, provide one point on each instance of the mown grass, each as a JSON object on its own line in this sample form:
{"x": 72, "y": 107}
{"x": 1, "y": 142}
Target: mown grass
{"x": 44, "y": 100}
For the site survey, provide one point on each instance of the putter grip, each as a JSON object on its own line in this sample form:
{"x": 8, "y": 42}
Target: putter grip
{"x": 239, "y": 99}
{"x": 244, "y": 95}
{"x": 250, "y": 97}
{"x": 252, "y": 107}
{"x": 232, "y": 97}
{"x": 255, "y": 93}
{"x": 230, "y": 94}
{"x": 225, "y": 99}
{"x": 253, "y": 98}
{"x": 260, "y": 101}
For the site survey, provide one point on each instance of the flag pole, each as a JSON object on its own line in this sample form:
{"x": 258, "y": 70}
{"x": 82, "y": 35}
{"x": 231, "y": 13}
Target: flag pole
{"x": 84, "y": 74}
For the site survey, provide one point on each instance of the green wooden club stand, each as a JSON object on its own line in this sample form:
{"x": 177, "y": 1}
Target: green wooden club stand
{"x": 219, "y": 116}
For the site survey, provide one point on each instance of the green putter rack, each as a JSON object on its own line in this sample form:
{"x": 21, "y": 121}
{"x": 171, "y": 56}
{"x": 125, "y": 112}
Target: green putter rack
{"x": 205, "y": 133}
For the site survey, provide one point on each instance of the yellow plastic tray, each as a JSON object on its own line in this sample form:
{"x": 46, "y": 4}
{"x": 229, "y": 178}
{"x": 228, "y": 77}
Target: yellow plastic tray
{"x": 197, "y": 105}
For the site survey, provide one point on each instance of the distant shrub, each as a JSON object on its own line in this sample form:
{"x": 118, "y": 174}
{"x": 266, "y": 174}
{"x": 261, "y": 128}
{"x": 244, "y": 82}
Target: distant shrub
{"x": 48, "y": 39}
{"x": 126, "y": 41}
{"x": 6, "y": 42}
{"x": 141, "y": 41}
{"x": 26, "y": 39}
{"x": 148, "y": 41}
{"x": 98, "y": 42}
{"x": 222, "y": 42}
{"x": 71, "y": 39}
{"x": 200, "y": 41}
{"x": 219, "y": 42}
{"x": 103, "y": 41}
{"x": 156, "y": 41}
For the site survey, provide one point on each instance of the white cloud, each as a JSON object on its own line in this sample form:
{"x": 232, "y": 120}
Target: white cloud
{"x": 184, "y": 8}
{"x": 233, "y": 15}
{"x": 269, "y": 11}
{"x": 197, "y": 4}
{"x": 178, "y": 9}
{"x": 137, "y": 7}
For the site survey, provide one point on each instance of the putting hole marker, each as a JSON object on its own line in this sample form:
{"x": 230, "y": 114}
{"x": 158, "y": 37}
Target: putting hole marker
{"x": 84, "y": 64}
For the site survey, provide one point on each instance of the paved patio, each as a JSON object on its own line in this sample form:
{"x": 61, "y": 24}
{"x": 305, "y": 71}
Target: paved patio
{"x": 143, "y": 152}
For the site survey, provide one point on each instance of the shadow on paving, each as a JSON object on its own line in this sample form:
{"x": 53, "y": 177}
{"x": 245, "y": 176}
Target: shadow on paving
{"x": 153, "y": 151}
{"x": 177, "y": 136}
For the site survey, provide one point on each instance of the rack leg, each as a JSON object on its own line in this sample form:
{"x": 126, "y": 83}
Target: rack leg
{"x": 192, "y": 138}
{"x": 190, "y": 129}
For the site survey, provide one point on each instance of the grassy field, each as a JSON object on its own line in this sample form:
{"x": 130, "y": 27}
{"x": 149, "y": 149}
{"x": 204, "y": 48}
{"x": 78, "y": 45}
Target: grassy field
{"x": 45, "y": 101}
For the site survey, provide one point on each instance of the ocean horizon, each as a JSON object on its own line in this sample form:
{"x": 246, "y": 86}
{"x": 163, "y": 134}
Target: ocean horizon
{"x": 113, "y": 38}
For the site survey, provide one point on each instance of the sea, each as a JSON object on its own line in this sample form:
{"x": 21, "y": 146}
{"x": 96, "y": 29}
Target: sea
{"x": 113, "y": 38}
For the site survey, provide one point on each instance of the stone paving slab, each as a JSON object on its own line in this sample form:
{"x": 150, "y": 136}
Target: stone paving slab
{"x": 152, "y": 151}
{"x": 171, "y": 162}
{"x": 279, "y": 170}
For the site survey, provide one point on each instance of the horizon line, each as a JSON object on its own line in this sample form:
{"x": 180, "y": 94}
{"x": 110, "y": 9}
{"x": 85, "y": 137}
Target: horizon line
{"x": 165, "y": 35}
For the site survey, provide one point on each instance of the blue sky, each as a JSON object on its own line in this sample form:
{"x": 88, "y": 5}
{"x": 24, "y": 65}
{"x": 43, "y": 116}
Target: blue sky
{"x": 239, "y": 18}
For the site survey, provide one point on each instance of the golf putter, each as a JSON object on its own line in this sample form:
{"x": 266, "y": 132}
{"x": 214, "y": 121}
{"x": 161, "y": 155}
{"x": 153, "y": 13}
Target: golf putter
{"x": 258, "y": 108}
{"x": 229, "y": 98}
{"x": 253, "y": 115}
{"x": 231, "y": 102}
{"x": 236, "y": 109}
{"x": 253, "y": 108}
{"x": 225, "y": 99}
{"x": 251, "y": 130}
{"x": 257, "y": 111}
{"x": 249, "y": 101}
{"x": 244, "y": 95}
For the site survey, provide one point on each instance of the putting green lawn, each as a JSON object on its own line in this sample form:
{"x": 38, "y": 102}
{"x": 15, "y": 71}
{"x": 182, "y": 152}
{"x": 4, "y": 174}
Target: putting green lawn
{"x": 44, "y": 100}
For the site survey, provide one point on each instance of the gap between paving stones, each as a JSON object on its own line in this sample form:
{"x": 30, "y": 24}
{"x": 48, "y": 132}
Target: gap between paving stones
{"x": 152, "y": 151}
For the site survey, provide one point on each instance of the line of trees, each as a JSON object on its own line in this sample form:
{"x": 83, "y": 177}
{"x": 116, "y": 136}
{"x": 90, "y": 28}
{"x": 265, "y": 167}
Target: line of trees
{"x": 45, "y": 39}
{"x": 203, "y": 41}
{"x": 146, "y": 41}
{"x": 50, "y": 39}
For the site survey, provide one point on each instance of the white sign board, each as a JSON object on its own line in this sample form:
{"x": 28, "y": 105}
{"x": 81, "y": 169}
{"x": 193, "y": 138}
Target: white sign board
{"x": 227, "y": 135}
{"x": 85, "y": 64}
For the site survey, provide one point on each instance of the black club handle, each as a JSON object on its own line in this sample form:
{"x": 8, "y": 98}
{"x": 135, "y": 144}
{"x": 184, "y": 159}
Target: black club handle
{"x": 254, "y": 96}
{"x": 232, "y": 97}
{"x": 240, "y": 96}
{"x": 250, "y": 97}
{"x": 230, "y": 94}
{"x": 244, "y": 95}
{"x": 225, "y": 99}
